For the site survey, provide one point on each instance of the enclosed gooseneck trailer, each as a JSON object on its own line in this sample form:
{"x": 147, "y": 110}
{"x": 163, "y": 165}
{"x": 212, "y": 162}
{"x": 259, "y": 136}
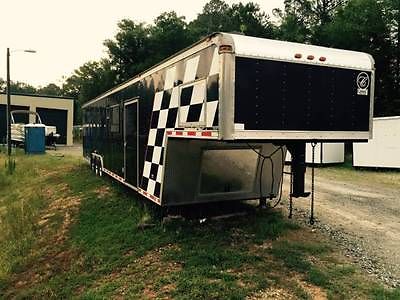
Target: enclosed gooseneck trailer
{"x": 214, "y": 121}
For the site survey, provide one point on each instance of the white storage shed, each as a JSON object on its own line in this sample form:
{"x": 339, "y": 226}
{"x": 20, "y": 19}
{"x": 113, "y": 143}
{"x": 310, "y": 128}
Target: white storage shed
{"x": 383, "y": 150}
{"x": 325, "y": 153}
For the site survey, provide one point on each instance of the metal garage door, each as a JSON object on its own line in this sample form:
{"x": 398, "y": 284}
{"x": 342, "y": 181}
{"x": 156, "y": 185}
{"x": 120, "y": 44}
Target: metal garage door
{"x": 55, "y": 117}
{"x": 19, "y": 118}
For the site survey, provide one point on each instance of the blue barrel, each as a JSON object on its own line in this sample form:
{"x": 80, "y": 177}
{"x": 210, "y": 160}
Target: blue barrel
{"x": 35, "y": 139}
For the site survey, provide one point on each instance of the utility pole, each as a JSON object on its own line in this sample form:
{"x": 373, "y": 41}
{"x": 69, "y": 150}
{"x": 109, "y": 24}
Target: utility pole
{"x": 9, "y": 97}
{"x": 8, "y": 105}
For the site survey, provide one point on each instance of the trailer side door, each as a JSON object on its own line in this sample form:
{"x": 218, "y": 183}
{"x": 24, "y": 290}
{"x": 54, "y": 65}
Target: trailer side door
{"x": 131, "y": 142}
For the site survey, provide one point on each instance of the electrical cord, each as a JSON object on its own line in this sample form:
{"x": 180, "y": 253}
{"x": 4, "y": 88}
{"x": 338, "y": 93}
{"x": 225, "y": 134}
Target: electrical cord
{"x": 272, "y": 169}
{"x": 281, "y": 187}
{"x": 261, "y": 172}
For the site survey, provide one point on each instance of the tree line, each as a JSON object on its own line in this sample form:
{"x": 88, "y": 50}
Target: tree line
{"x": 371, "y": 26}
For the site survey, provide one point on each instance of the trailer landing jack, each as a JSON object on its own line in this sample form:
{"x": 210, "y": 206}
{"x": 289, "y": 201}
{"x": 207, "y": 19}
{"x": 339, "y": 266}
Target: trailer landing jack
{"x": 297, "y": 176}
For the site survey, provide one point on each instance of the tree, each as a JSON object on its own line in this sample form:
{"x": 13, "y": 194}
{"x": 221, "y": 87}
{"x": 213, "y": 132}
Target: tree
{"x": 137, "y": 46}
{"x": 250, "y": 20}
{"x": 21, "y": 87}
{"x": 88, "y": 81}
{"x": 168, "y": 36}
{"x": 392, "y": 15}
{"x": 3, "y": 85}
{"x": 215, "y": 17}
{"x": 292, "y": 28}
{"x": 360, "y": 26}
{"x": 218, "y": 16}
{"x": 371, "y": 26}
{"x": 130, "y": 51}
{"x": 17, "y": 87}
{"x": 302, "y": 20}
{"x": 51, "y": 90}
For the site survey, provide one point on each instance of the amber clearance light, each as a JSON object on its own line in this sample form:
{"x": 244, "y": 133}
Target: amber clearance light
{"x": 225, "y": 49}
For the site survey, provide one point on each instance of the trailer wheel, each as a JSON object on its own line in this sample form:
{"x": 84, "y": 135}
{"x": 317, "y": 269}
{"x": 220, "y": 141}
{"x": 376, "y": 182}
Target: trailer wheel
{"x": 96, "y": 167}
{"x": 100, "y": 169}
{"x": 92, "y": 163}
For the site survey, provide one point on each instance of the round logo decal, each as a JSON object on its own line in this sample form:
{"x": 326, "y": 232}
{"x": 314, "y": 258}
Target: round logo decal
{"x": 363, "y": 81}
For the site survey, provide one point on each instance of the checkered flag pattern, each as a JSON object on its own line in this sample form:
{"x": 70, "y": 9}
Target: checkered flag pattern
{"x": 195, "y": 103}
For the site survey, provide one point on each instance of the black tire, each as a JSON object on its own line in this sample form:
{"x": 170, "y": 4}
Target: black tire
{"x": 96, "y": 167}
{"x": 91, "y": 163}
{"x": 100, "y": 168}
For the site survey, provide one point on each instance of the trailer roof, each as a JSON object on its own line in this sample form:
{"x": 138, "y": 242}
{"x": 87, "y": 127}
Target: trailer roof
{"x": 387, "y": 118}
{"x": 286, "y": 51}
{"x": 261, "y": 48}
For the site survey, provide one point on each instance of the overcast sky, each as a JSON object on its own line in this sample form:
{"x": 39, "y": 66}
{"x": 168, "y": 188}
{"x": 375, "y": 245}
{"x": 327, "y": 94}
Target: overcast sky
{"x": 68, "y": 33}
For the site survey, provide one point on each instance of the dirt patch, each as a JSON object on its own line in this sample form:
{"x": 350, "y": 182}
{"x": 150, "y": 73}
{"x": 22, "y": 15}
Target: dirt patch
{"x": 144, "y": 270}
{"x": 315, "y": 292}
{"x": 52, "y": 259}
{"x": 273, "y": 293}
{"x": 149, "y": 294}
{"x": 46, "y": 173}
{"x": 103, "y": 192}
{"x": 45, "y": 218}
{"x": 65, "y": 203}
{"x": 168, "y": 288}
{"x": 67, "y": 207}
{"x": 53, "y": 263}
{"x": 74, "y": 150}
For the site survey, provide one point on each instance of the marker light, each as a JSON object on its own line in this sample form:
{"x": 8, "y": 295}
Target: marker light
{"x": 225, "y": 49}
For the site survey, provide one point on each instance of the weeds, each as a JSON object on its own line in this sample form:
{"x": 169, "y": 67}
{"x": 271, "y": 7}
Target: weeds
{"x": 22, "y": 198}
{"x": 10, "y": 165}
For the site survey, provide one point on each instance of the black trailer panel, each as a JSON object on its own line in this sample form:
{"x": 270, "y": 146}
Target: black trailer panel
{"x": 276, "y": 95}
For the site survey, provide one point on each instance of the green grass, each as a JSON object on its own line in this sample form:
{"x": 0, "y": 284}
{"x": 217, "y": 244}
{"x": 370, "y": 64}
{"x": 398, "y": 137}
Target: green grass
{"x": 22, "y": 196}
{"x": 77, "y": 236}
{"x": 339, "y": 280}
{"x": 346, "y": 172}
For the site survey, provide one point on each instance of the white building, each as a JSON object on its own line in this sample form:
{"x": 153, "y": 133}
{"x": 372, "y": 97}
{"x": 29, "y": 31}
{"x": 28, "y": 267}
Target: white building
{"x": 53, "y": 110}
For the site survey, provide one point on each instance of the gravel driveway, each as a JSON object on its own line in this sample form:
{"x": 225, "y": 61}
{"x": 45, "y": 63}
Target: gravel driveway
{"x": 361, "y": 211}
{"x": 74, "y": 150}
